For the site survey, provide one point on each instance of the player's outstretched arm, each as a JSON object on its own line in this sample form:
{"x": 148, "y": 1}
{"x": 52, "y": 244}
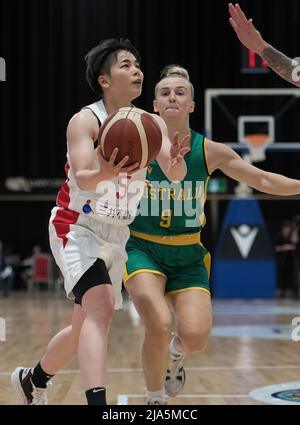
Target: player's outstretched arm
{"x": 171, "y": 156}
{"x": 245, "y": 30}
{"x": 222, "y": 157}
{"x": 285, "y": 67}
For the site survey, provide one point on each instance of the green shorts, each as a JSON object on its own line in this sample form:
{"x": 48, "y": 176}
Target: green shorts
{"x": 184, "y": 267}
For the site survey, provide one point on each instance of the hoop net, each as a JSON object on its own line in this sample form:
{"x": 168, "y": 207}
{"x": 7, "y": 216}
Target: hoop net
{"x": 257, "y": 144}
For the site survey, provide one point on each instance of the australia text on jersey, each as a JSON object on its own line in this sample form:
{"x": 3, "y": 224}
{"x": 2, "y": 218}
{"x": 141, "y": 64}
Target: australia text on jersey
{"x": 185, "y": 198}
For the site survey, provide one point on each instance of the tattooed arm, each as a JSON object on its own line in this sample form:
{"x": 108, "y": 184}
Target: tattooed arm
{"x": 287, "y": 68}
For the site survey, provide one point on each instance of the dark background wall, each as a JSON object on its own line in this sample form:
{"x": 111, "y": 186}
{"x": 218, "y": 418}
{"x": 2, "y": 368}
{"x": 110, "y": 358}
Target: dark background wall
{"x": 44, "y": 43}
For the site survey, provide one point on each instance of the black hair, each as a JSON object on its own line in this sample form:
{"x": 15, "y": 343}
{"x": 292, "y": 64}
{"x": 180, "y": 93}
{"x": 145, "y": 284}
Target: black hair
{"x": 100, "y": 59}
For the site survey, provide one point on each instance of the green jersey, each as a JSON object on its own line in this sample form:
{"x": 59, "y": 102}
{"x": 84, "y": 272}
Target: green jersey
{"x": 170, "y": 209}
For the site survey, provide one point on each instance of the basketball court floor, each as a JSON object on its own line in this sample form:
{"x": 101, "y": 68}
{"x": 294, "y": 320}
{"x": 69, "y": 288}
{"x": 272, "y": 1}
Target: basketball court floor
{"x": 251, "y": 357}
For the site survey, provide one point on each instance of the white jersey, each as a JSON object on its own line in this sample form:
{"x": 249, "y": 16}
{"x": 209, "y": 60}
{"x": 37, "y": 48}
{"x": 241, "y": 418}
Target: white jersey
{"x": 114, "y": 201}
{"x": 88, "y": 225}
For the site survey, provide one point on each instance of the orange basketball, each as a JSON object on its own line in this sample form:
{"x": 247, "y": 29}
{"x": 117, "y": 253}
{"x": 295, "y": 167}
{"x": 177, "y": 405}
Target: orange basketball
{"x": 134, "y": 132}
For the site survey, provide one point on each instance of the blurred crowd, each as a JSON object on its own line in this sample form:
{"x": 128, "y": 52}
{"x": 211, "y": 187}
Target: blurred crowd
{"x": 287, "y": 250}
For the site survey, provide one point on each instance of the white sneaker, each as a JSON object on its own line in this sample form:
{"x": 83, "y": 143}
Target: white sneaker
{"x": 28, "y": 393}
{"x": 175, "y": 377}
{"x": 157, "y": 401}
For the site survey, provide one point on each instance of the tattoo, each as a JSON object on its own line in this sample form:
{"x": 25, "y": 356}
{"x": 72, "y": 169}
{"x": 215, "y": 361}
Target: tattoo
{"x": 287, "y": 68}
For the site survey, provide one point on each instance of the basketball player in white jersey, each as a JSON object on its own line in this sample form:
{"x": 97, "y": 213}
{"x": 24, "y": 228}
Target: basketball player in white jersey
{"x": 287, "y": 68}
{"x": 87, "y": 232}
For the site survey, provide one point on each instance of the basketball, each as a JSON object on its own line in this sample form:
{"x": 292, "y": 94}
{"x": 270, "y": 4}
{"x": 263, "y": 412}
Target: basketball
{"x": 134, "y": 132}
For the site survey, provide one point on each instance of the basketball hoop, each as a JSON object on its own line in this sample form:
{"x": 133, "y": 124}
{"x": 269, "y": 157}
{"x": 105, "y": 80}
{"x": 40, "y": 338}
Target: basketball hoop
{"x": 257, "y": 144}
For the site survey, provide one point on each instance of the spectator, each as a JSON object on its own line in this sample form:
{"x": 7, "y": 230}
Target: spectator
{"x": 6, "y": 273}
{"x": 27, "y": 265}
{"x": 285, "y": 245}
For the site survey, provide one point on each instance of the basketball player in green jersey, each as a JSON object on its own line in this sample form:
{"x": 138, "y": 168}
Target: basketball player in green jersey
{"x": 287, "y": 68}
{"x": 167, "y": 264}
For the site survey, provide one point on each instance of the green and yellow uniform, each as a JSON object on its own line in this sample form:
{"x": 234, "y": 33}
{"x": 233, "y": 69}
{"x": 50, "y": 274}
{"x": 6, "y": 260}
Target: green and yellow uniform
{"x": 165, "y": 235}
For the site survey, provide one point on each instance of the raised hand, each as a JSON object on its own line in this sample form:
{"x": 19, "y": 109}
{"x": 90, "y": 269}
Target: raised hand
{"x": 178, "y": 148}
{"x": 245, "y": 30}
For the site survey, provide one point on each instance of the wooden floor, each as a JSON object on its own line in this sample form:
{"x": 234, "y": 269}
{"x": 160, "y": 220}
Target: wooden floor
{"x": 250, "y": 348}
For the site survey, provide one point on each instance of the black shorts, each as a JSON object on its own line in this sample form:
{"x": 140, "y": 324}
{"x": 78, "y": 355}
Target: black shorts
{"x": 96, "y": 275}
